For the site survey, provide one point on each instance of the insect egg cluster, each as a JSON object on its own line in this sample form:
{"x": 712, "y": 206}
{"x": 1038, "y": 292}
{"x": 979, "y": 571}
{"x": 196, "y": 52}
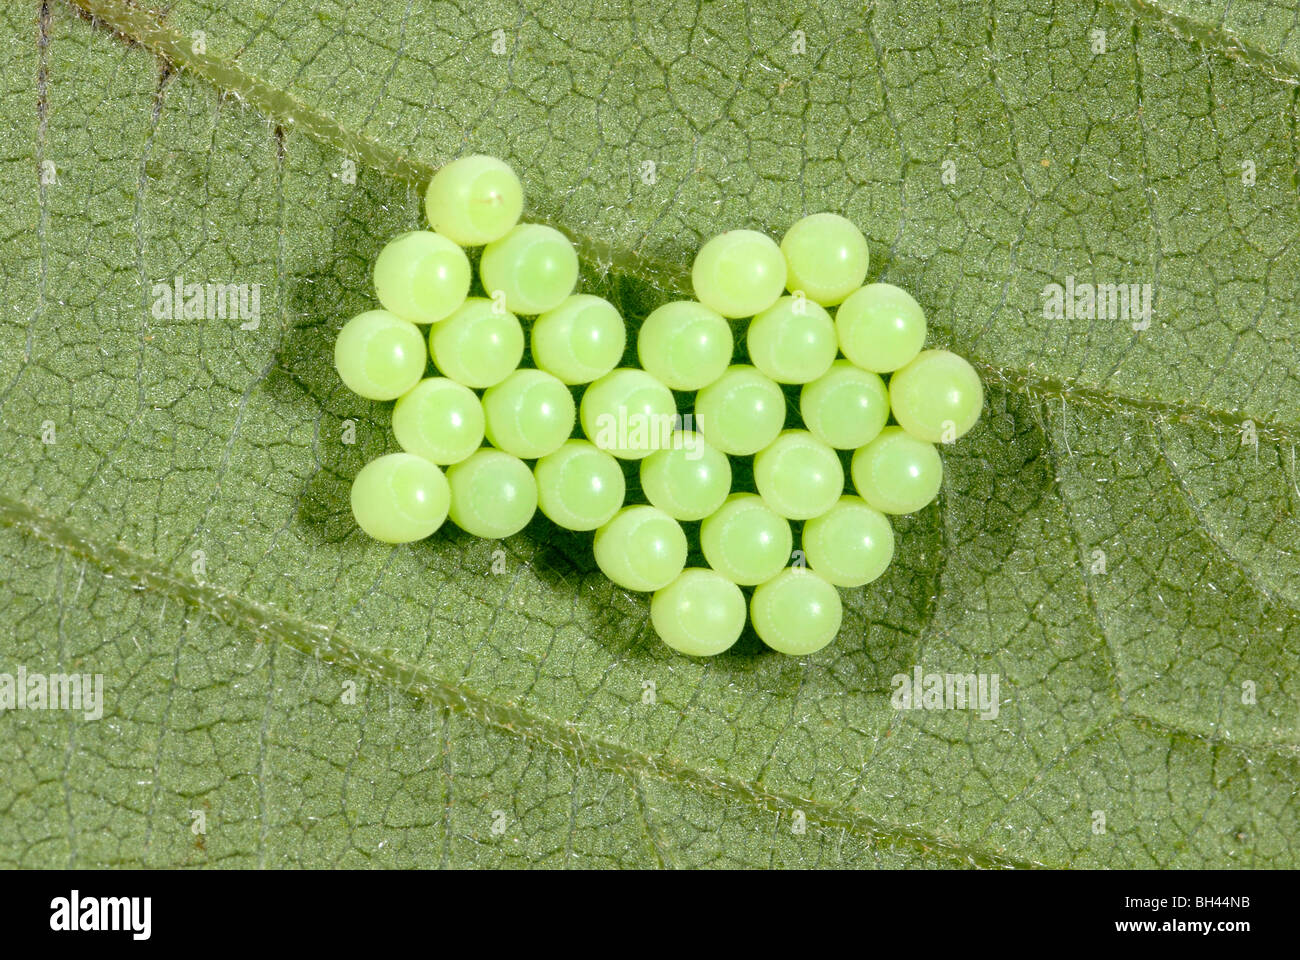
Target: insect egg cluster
{"x": 487, "y": 442}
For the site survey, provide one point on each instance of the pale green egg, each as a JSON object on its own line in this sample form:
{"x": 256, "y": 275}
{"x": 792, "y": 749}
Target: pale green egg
{"x": 379, "y": 356}
{"x": 880, "y": 327}
{"x": 739, "y": 273}
{"x": 826, "y": 257}
{"x": 937, "y": 397}
{"x": 580, "y": 340}
{"x": 849, "y": 545}
{"x": 745, "y": 540}
{"x": 641, "y": 549}
{"x": 896, "y": 472}
{"x": 440, "y": 420}
{"x": 474, "y": 200}
{"x": 792, "y": 341}
{"x": 796, "y": 612}
{"x": 529, "y": 414}
{"x": 741, "y": 412}
{"x": 479, "y": 345}
{"x": 579, "y": 486}
{"x": 422, "y": 276}
{"x": 700, "y": 614}
{"x": 798, "y": 475}
{"x": 493, "y": 494}
{"x": 689, "y": 479}
{"x": 628, "y": 413}
{"x": 846, "y": 406}
{"x": 399, "y": 498}
{"x": 685, "y": 345}
{"x": 534, "y": 266}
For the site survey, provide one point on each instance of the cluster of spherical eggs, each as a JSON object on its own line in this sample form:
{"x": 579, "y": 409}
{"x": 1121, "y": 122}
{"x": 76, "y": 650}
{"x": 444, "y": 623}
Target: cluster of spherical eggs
{"x": 529, "y": 414}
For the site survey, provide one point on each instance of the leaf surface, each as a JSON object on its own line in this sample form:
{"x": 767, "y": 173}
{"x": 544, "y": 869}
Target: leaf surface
{"x": 188, "y": 536}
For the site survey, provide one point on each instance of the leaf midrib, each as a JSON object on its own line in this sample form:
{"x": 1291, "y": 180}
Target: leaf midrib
{"x": 1213, "y": 36}
{"x": 327, "y": 645}
{"x": 144, "y": 27}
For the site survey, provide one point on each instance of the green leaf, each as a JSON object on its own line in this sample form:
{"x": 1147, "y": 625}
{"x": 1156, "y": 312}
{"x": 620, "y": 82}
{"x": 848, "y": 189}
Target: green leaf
{"x": 1105, "y": 542}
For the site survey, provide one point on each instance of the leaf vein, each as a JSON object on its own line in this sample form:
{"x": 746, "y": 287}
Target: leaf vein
{"x": 324, "y": 644}
{"x": 139, "y": 25}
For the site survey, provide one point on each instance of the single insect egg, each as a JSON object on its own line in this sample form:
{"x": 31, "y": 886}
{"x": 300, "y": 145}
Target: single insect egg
{"x": 798, "y": 476}
{"x": 745, "y": 540}
{"x": 896, "y": 472}
{"x": 534, "y": 266}
{"x": 826, "y": 257}
{"x": 741, "y": 412}
{"x": 474, "y": 200}
{"x": 641, "y": 549}
{"x": 685, "y": 345}
{"x": 700, "y": 614}
{"x": 580, "y": 340}
{"x": 421, "y": 276}
{"x": 440, "y": 420}
{"x": 479, "y": 345}
{"x": 880, "y": 327}
{"x": 846, "y": 406}
{"x": 792, "y": 341}
{"x": 689, "y": 480}
{"x": 579, "y": 486}
{"x": 399, "y": 498}
{"x": 529, "y": 414}
{"x": 493, "y": 494}
{"x": 796, "y": 612}
{"x": 379, "y": 355}
{"x": 739, "y": 273}
{"x": 628, "y": 413}
{"x": 849, "y": 545}
{"x": 937, "y": 397}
